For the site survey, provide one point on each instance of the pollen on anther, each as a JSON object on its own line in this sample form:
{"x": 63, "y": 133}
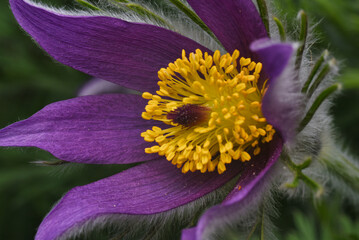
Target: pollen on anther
{"x": 212, "y": 107}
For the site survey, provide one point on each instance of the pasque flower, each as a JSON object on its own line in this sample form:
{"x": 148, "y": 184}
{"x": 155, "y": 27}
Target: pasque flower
{"x": 206, "y": 120}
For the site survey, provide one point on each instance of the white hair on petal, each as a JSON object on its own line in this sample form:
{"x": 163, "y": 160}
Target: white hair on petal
{"x": 178, "y": 22}
{"x": 259, "y": 205}
{"x": 143, "y": 224}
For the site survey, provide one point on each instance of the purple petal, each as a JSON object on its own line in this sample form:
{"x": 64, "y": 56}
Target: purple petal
{"x": 101, "y": 129}
{"x": 189, "y": 234}
{"x": 236, "y": 23}
{"x": 247, "y": 188}
{"x": 281, "y": 103}
{"x": 129, "y": 54}
{"x": 274, "y": 56}
{"x": 150, "y": 188}
{"x": 98, "y": 86}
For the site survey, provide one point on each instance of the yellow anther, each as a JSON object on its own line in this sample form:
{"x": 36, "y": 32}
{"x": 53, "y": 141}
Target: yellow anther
{"x": 250, "y": 78}
{"x": 256, "y": 151}
{"x": 261, "y": 131}
{"x": 146, "y": 116}
{"x": 229, "y": 145}
{"x": 148, "y": 138}
{"x": 226, "y": 89}
{"x": 227, "y": 116}
{"x": 222, "y": 62}
{"x": 221, "y": 167}
{"x": 258, "y": 68}
{"x": 229, "y": 69}
{"x": 240, "y": 87}
{"x": 151, "y": 133}
{"x": 245, "y": 156}
{"x": 245, "y": 61}
{"x": 216, "y": 56}
{"x": 225, "y": 131}
{"x": 199, "y": 165}
{"x": 198, "y": 86}
{"x": 184, "y": 54}
{"x": 235, "y": 55}
{"x": 206, "y": 143}
{"x": 269, "y": 127}
{"x": 147, "y": 95}
{"x": 160, "y": 139}
{"x": 251, "y": 90}
{"x": 255, "y": 104}
{"x": 185, "y": 168}
{"x": 251, "y": 66}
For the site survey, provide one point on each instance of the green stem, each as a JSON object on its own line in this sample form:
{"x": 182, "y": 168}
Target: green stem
{"x": 302, "y": 37}
{"x": 314, "y": 71}
{"x": 263, "y": 11}
{"x": 281, "y": 31}
{"x": 193, "y": 16}
{"x": 299, "y": 175}
{"x": 253, "y": 230}
{"x": 316, "y": 104}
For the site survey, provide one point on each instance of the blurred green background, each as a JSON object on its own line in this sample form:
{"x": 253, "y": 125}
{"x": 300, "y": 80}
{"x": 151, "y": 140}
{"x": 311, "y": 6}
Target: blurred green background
{"x": 29, "y": 80}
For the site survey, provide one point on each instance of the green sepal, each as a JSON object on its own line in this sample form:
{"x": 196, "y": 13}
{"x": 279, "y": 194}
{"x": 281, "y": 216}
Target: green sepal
{"x": 263, "y": 11}
{"x": 145, "y": 12}
{"x": 316, "y": 104}
{"x": 314, "y": 71}
{"x": 87, "y": 5}
{"x": 323, "y": 73}
{"x": 281, "y": 30}
{"x": 302, "y": 37}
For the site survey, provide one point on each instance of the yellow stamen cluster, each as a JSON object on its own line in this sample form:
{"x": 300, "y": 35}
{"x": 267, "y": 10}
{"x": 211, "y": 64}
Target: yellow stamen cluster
{"x": 234, "y": 127}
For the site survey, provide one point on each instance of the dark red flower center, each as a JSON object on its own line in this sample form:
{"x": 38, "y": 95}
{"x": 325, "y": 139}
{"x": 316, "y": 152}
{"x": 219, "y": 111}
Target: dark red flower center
{"x": 189, "y": 115}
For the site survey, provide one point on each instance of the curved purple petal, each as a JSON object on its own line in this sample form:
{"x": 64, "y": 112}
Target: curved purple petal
{"x": 280, "y": 104}
{"x": 150, "y": 188}
{"x": 129, "y": 54}
{"x": 101, "y": 129}
{"x": 98, "y": 86}
{"x": 245, "y": 190}
{"x": 274, "y": 56}
{"x": 236, "y": 23}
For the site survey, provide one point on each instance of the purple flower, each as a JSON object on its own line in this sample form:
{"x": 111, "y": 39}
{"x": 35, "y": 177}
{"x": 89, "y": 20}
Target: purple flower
{"x": 110, "y": 128}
